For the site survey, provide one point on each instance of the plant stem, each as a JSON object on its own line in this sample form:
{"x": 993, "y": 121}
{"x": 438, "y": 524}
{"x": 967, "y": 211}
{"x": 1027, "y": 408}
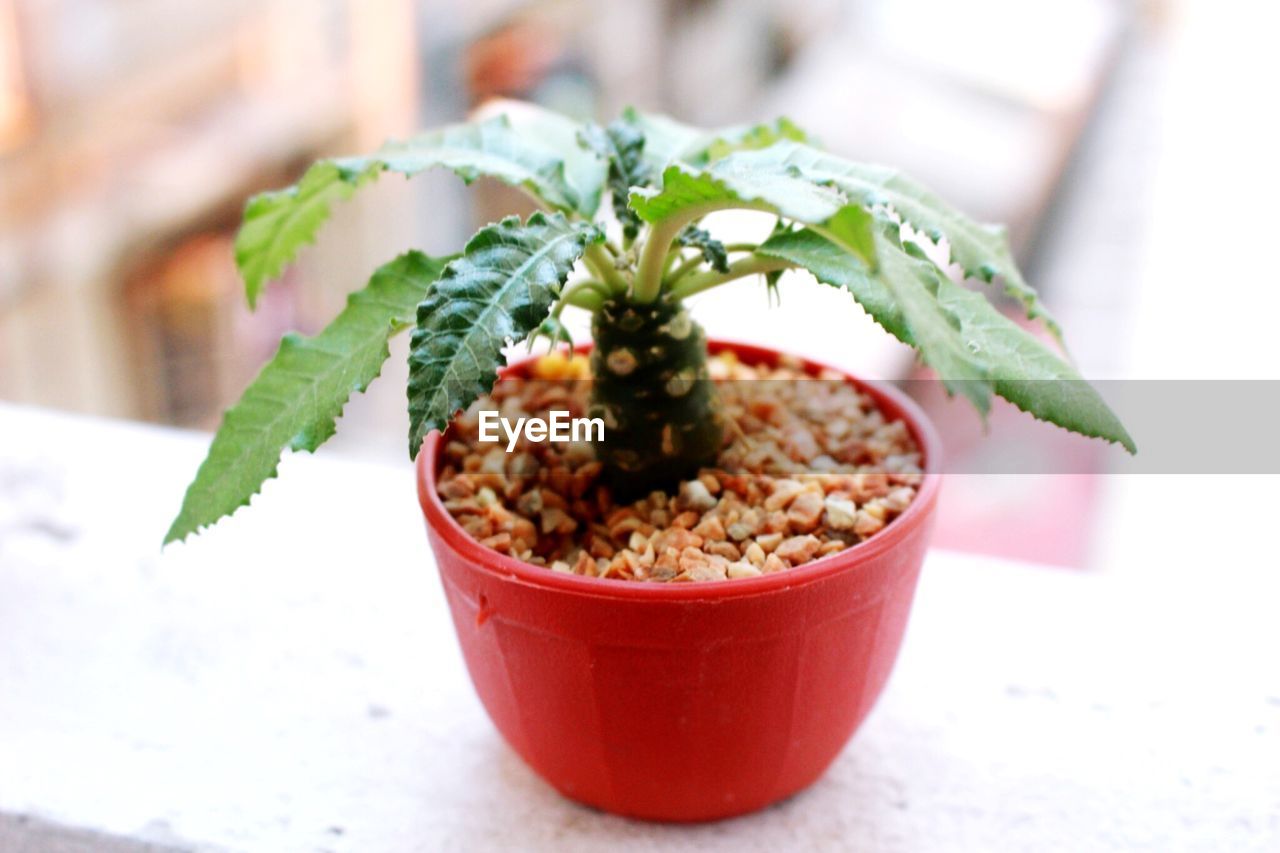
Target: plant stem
{"x": 589, "y": 294}
{"x": 672, "y": 256}
{"x": 750, "y": 265}
{"x": 688, "y": 266}
{"x": 648, "y": 283}
{"x": 653, "y": 389}
{"x": 602, "y": 266}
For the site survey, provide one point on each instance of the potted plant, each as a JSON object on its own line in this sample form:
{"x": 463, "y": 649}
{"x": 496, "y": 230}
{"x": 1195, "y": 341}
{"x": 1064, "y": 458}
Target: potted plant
{"x": 809, "y": 502}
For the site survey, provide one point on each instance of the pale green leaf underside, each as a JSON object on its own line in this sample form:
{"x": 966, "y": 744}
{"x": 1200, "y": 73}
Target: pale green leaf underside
{"x": 499, "y": 291}
{"x": 558, "y": 135}
{"x": 725, "y": 184}
{"x": 536, "y": 150}
{"x": 754, "y": 137}
{"x": 668, "y": 141}
{"x": 299, "y": 394}
{"x": 973, "y": 347}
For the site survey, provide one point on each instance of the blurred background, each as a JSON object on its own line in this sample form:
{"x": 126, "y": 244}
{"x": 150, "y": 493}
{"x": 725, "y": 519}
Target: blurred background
{"x": 1129, "y": 145}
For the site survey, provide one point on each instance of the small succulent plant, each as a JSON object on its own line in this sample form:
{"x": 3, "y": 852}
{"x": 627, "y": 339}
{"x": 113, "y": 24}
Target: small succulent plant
{"x": 860, "y": 228}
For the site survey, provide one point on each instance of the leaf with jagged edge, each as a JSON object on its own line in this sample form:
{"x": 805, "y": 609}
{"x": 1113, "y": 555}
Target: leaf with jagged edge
{"x": 668, "y": 141}
{"x": 621, "y": 146}
{"x": 832, "y": 265}
{"x": 499, "y": 291}
{"x": 755, "y": 137}
{"x": 713, "y": 251}
{"x": 687, "y": 192}
{"x": 536, "y": 150}
{"x": 981, "y": 251}
{"x": 299, "y": 394}
{"x": 1018, "y": 367}
{"x": 559, "y": 134}
{"x": 1027, "y": 373}
{"x": 913, "y": 284}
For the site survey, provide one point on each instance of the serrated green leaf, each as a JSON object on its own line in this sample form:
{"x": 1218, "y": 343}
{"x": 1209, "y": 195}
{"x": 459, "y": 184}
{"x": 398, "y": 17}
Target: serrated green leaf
{"x": 278, "y": 223}
{"x": 832, "y": 265}
{"x": 1028, "y": 374}
{"x": 962, "y": 336}
{"x": 981, "y": 251}
{"x": 727, "y": 183}
{"x": 755, "y": 137}
{"x": 914, "y": 283}
{"x": 537, "y": 151}
{"x": 499, "y": 291}
{"x": 621, "y": 146}
{"x": 669, "y": 141}
{"x": 713, "y": 251}
{"x": 299, "y": 394}
{"x": 558, "y": 135}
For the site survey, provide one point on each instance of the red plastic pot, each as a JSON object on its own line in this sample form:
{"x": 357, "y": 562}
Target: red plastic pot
{"x": 684, "y": 702}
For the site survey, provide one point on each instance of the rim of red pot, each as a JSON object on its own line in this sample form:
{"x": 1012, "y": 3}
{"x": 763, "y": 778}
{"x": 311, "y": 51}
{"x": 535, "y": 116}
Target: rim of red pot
{"x": 512, "y": 569}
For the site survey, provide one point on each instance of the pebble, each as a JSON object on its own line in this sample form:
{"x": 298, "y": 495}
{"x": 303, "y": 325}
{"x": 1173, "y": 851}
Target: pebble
{"x": 839, "y": 513}
{"x": 694, "y": 495}
{"x": 806, "y": 510}
{"x": 814, "y": 468}
{"x": 798, "y": 549}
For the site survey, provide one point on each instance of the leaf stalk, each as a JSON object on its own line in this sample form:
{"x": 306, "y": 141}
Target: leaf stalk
{"x": 751, "y": 265}
{"x": 602, "y": 266}
{"x": 648, "y": 283}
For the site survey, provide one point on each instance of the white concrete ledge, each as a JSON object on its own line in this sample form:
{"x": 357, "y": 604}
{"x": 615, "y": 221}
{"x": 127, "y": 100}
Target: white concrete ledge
{"x": 290, "y": 682}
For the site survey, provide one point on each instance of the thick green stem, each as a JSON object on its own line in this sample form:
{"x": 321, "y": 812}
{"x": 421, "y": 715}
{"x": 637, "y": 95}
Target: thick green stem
{"x": 653, "y": 256}
{"x": 662, "y": 234}
{"x": 651, "y": 387}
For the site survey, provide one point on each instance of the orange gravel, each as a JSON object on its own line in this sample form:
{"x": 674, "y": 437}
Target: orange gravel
{"x": 808, "y": 469}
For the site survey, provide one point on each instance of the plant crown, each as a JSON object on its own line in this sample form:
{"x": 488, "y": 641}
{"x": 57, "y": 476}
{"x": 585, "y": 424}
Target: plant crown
{"x": 852, "y": 226}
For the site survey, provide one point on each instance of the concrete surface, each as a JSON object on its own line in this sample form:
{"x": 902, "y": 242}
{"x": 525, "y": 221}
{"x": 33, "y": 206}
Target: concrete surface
{"x": 290, "y": 682}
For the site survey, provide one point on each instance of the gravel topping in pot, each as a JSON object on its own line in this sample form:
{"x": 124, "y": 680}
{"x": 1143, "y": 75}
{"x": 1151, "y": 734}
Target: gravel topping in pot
{"x": 808, "y": 469}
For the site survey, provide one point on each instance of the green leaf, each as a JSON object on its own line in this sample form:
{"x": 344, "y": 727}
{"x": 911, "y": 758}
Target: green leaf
{"x": 669, "y": 141}
{"x": 713, "y": 251}
{"x": 981, "y": 251}
{"x": 974, "y": 347}
{"x": 278, "y": 223}
{"x": 1028, "y": 374}
{"x": 499, "y": 291}
{"x": 914, "y": 284}
{"x": 559, "y": 135}
{"x": 621, "y": 146}
{"x": 687, "y": 195}
{"x": 536, "y": 150}
{"x": 832, "y": 265}
{"x": 298, "y": 395}
{"x": 755, "y": 137}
